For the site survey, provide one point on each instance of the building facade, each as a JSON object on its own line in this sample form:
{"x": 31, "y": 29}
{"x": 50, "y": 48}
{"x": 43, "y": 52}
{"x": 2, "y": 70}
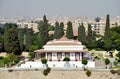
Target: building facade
{"x": 58, "y": 49}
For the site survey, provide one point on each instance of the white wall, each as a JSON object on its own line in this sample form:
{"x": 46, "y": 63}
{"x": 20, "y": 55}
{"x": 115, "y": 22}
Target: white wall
{"x": 56, "y": 64}
{"x": 54, "y": 56}
{"x": 64, "y": 47}
{"x": 72, "y": 56}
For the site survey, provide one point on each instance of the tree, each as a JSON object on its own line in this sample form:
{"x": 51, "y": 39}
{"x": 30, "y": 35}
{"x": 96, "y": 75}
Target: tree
{"x": 28, "y": 39}
{"x": 107, "y": 35}
{"x": 118, "y": 55}
{"x": 69, "y": 32}
{"x": 59, "y": 32}
{"x": 51, "y": 37}
{"x": 21, "y": 38}
{"x": 56, "y": 34}
{"x": 90, "y": 35}
{"x": 13, "y": 58}
{"x": 91, "y": 40}
{"x": 11, "y": 40}
{"x": 82, "y": 34}
{"x": 43, "y": 32}
{"x": 31, "y": 51}
{"x": 1, "y": 29}
{"x": 35, "y": 39}
{"x": 115, "y": 37}
{"x": 61, "y": 29}
{"x": 51, "y": 27}
{"x": 1, "y": 43}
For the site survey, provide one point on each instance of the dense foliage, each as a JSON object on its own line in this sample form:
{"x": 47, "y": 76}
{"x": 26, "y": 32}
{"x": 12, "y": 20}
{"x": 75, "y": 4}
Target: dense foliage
{"x": 43, "y": 32}
{"x": 107, "y": 35}
{"x": 11, "y": 39}
{"x": 28, "y": 38}
{"x": 69, "y": 32}
{"x": 82, "y": 34}
{"x": 84, "y": 61}
{"x": 44, "y": 61}
{"x": 107, "y": 61}
{"x": 59, "y": 32}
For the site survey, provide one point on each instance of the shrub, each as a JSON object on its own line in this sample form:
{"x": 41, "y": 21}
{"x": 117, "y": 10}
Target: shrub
{"x": 118, "y": 72}
{"x": 46, "y": 71}
{"x": 66, "y": 59}
{"x": 44, "y": 61}
{"x": 107, "y": 61}
{"x": 84, "y": 61}
{"x": 10, "y": 70}
{"x": 113, "y": 71}
{"x": 36, "y": 69}
{"x": 115, "y": 62}
{"x": 88, "y": 73}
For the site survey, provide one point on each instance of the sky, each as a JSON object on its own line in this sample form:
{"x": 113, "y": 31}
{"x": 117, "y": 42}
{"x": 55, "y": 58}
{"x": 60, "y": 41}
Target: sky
{"x": 52, "y": 8}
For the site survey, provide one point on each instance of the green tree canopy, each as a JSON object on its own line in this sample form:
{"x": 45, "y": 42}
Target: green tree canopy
{"x": 11, "y": 40}
{"x": 107, "y": 35}
{"x": 82, "y": 34}
{"x": 69, "y": 32}
{"x": 107, "y": 61}
{"x": 84, "y": 61}
{"x": 28, "y": 39}
{"x": 59, "y": 32}
{"x": 21, "y": 38}
{"x": 43, "y": 32}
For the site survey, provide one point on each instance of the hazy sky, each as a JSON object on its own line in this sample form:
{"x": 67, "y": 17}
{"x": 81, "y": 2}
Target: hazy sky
{"x": 51, "y": 8}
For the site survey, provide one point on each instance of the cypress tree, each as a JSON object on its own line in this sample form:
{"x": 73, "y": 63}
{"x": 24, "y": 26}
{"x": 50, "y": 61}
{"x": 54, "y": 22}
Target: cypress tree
{"x": 61, "y": 29}
{"x": 43, "y": 32}
{"x": 90, "y": 34}
{"x": 69, "y": 32}
{"x": 28, "y": 39}
{"x": 21, "y": 38}
{"x": 91, "y": 40}
{"x": 11, "y": 40}
{"x": 107, "y": 35}
{"x": 82, "y": 34}
{"x": 57, "y": 34}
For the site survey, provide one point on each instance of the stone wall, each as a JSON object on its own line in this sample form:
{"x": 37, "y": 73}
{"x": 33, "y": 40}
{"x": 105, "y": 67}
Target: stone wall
{"x": 56, "y": 74}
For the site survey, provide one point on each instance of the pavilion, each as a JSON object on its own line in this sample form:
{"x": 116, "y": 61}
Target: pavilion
{"x": 58, "y": 49}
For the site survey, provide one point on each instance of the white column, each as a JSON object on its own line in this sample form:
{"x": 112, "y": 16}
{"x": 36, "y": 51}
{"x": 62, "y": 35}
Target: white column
{"x": 46, "y": 55}
{"x": 80, "y": 55}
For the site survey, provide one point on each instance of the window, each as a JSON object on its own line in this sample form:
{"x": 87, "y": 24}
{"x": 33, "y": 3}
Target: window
{"x": 59, "y": 56}
{"x": 49, "y": 56}
{"x": 67, "y": 54}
